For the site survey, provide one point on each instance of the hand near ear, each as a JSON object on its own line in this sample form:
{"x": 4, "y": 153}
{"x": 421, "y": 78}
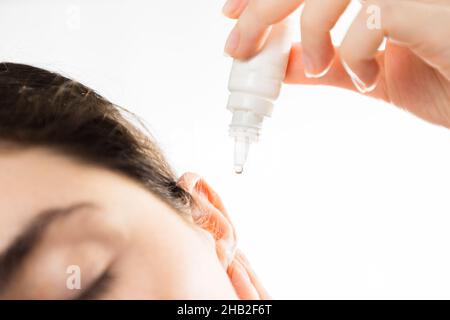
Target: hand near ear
{"x": 210, "y": 214}
{"x": 244, "y": 280}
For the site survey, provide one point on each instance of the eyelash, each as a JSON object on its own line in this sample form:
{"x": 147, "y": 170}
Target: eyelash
{"x": 97, "y": 288}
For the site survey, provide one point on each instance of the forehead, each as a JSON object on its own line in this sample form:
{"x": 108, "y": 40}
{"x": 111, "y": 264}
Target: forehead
{"x": 25, "y": 175}
{"x": 35, "y": 179}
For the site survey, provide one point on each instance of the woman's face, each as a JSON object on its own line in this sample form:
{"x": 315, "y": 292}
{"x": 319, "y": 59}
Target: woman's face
{"x": 77, "y": 230}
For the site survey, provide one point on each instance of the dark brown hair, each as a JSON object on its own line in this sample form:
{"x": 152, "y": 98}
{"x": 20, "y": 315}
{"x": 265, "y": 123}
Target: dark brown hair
{"x": 42, "y": 108}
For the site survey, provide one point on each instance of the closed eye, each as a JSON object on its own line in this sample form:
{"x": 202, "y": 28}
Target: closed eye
{"x": 98, "y": 288}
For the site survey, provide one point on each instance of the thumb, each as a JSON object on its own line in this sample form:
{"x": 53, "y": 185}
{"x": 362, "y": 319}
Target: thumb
{"x": 252, "y": 28}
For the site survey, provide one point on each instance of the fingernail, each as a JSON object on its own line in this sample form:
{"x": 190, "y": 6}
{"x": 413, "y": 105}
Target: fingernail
{"x": 193, "y": 183}
{"x": 230, "y": 6}
{"x": 233, "y": 41}
{"x": 310, "y": 69}
{"x": 230, "y": 252}
{"x": 359, "y": 84}
{"x": 229, "y": 257}
{"x": 239, "y": 274}
{"x": 225, "y": 252}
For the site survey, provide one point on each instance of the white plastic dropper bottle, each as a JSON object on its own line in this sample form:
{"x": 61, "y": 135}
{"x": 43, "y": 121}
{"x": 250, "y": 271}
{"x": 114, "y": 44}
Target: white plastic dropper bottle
{"x": 254, "y": 85}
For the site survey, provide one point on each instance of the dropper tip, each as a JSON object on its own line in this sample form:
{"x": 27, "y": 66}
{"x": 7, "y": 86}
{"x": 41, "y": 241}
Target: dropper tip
{"x": 241, "y": 147}
{"x": 238, "y": 169}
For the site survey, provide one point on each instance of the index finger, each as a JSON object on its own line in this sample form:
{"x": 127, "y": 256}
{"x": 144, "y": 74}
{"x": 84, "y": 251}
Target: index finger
{"x": 251, "y": 30}
{"x": 262, "y": 292}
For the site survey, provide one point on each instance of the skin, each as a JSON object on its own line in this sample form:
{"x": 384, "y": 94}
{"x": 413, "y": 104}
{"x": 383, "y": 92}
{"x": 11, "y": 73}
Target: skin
{"x": 150, "y": 250}
{"x": 413, "y": 72}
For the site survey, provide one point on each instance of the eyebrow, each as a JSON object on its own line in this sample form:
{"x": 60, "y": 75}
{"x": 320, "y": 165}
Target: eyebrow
{"x": 14, "y": 256}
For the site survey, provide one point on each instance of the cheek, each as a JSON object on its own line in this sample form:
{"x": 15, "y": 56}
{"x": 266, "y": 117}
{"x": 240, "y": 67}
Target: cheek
{"x": 176, "y": 262}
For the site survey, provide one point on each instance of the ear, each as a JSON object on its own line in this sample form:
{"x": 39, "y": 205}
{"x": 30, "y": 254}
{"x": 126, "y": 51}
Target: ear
{"x": 210, "y": 214}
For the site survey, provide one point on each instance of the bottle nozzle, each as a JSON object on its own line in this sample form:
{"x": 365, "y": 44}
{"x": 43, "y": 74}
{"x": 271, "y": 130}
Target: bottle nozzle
{"x": 241, "y": 147}
{"x": 238, "y": 169}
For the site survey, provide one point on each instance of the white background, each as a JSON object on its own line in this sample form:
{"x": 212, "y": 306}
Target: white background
{"x": 344, "y": 197}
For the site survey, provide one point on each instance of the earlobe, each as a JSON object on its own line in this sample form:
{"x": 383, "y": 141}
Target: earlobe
{"x": 210, "y": 214}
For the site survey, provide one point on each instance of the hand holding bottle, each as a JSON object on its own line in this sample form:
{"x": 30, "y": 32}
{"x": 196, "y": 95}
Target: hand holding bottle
{"x": 413, "y": 72}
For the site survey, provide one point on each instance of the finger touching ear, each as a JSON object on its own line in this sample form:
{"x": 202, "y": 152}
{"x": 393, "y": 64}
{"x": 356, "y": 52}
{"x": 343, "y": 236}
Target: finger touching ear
{"x": 209, "y": 214}
{"x": 244, "y": 280}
